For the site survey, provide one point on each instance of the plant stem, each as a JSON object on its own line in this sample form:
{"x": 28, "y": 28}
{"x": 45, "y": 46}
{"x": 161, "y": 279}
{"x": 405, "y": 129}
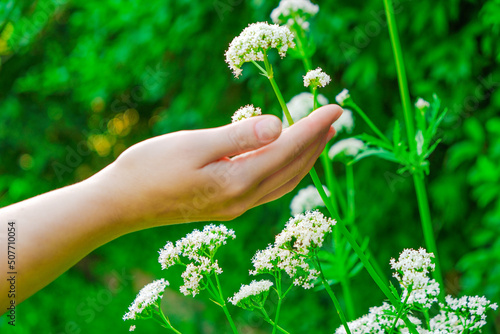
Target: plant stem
{"x": 266, "y": 317}
{"x": 420, "y": 190}
{"x": 346, "y": 289}
{"x": 401, "y": 307}
{"x": 165, "y": 319}
{"x": 223, "y": 304}
{"x": 351, "y": 205}
{"x": 332, "y": 296}
{"x": 425, "y": 218}
{"x": 368, "y": 121}
{"x": 300, "y": 48}
{"x": 278, "y": 308}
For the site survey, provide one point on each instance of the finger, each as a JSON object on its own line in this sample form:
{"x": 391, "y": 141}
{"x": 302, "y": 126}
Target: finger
{"x": 291, "y": 144}
{"x": 237, "y": 138}
{"x": 297, "y": 167}
{"x": 288, "y": 186}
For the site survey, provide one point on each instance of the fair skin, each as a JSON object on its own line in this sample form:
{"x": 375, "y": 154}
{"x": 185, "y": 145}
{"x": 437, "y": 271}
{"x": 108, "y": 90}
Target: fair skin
{"x": 202, "y": 175}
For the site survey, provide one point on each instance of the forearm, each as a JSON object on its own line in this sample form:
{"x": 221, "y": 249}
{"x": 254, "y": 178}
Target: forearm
{"x": 56, "y": 230}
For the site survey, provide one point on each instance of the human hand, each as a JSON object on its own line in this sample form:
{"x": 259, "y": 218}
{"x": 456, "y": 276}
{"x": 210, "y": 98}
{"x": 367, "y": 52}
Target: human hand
{"x": 214, "y": 174}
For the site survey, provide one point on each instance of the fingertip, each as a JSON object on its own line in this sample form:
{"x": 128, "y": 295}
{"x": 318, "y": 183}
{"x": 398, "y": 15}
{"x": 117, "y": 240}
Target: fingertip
{"x": 268, "y": 128}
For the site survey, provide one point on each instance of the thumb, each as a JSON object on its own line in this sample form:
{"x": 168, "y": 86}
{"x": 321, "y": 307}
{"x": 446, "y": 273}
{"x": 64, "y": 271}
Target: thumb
{"x": 242, "y": 136}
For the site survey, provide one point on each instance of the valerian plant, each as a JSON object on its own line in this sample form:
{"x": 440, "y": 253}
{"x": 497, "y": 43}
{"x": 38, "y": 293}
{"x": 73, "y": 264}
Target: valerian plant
{"x": 315, "y": 249}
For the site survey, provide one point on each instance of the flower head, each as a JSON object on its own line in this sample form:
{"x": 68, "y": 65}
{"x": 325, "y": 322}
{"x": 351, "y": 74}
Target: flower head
{"x": 342, "y": 96}
{"x": 199, "y": 247}
{"x": 132, "y": 328}
{"x": 256, "y": 39}
{"x": 294, "y": 11}
{"x": 305, "y": 232}
{"x": 301, "y": 105}
{"x": 273, "y": 259}
{"x": 316, "y": 78}
{"x": 256, "y": 291}
{"x": 470, "y": 311}
{"x": 307, "y": 199}
{"x": 148, "y": 296}
{"x": 246, "y": 112}
{"x": 412, "y": 272}
{"x": 345, "y": 122}
{"x": 422, "y": 104}
{"x": 349, "y": 147}
{"x": 379, "y": 320}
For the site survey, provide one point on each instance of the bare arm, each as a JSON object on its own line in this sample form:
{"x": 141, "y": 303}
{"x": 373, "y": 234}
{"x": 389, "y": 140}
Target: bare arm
{"x": 187, "y": 176}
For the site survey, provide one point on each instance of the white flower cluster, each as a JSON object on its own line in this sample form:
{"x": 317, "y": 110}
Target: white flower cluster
{"x": 291, "y": 248}
{"x": 305, "y": 232}
{"x": 345, "y": 122}
{"x": 316, "y": 78}
{"x": 148, "y": 296}
{"x": 307, "y": 199}
{"x": 349, "y": 146}
{"x": 252, "y": 290}
{"x": 273, "y": 259}
{"x": 301, "y": 105}
{"x": 246, "y": 112}
{"x": 199, "y": 247}
{"x": 378, "y": 320}
{"x": 412, "y": 272}
{"x": 465, "y": 314}
{"x": 294, "y": 11}
{"x": 254, "y": 40}
{"x": 342, "y": 96}
{"x": 422, "y": 104}
{"x": 194, "y": 273}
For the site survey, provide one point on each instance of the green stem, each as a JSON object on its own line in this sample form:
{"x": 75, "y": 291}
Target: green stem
{"x": 401, "y": 307}
{"x": 330, "y": 183}
{"x": 425, "y": 218}
{"x": 403, "y": 83}
{"x": 346, "y": 289}
{"x": 368, "y": 121}
{"x": 266, "y": 317}
{"x": 332, "y": 296}
{"x": 420, "y": 190}
{"x": 165, "y": 319}
{"x": 223, "y": 304}
{"x": 300, "y": 48}
{"x": 351, "y": 206}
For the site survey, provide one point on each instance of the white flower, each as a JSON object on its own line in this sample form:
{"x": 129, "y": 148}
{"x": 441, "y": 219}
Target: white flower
{"x": 148, "y": 295}
{"x": 316, "y": 78}
{"x": 197, "y": 243}
{"x": 345, "y": 122}
{"x": 301, "y": 105}
{"x": 412, "y": 272}
{"x": 169, "y": 255}
{"x": 468, "y": 313}
{"x": 254, "y": 40}
{"x": 294, "y": 11}
{"x": 306, "y": 199}
{"x": 305, "y": 232}
{"x": 246, "y": 112}
{"x": 349, "y": 146}
{"x": 342, "y": 96}
{"x": 132, "y": 328}
{"x": 194, "y": 273}
{"x": 253, "y": 289}
{"x": 422, "y": 104}
{"x": 379, "y": 320}
{"x": 273, "y": 259}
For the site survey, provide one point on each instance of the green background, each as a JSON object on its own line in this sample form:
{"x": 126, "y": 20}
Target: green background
{"x": 80, "y": 81}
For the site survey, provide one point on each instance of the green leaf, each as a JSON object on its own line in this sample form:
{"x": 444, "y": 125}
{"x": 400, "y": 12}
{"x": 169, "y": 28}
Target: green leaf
{"x": 378, "y": 152}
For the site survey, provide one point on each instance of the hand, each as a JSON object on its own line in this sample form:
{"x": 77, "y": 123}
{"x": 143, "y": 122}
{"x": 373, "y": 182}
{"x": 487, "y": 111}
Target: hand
{"x": 215, "y": 174}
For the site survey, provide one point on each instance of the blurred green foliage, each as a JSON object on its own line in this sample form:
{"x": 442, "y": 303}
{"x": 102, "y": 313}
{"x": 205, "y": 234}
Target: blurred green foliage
{"x": 82, "y": 80}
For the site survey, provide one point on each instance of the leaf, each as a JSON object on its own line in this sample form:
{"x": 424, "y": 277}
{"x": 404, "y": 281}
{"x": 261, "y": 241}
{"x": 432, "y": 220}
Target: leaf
{"x": 371, "y": 140}
{"x": 378, "y": 152}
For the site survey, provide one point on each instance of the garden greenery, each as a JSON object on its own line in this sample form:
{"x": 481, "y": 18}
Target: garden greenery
{"x": 297, "y": 249}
